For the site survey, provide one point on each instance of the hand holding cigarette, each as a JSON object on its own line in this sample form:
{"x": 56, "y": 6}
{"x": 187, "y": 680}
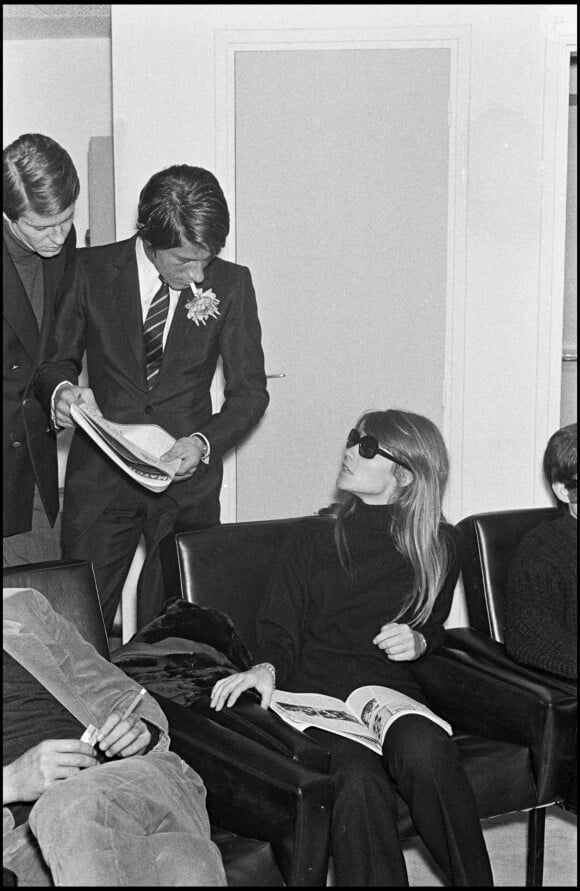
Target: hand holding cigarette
{"x": 133, "y": 705}
{"x": 126, "y": 735}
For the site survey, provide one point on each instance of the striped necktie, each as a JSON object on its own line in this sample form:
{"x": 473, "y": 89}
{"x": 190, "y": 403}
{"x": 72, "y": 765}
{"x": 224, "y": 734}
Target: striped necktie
{"x": 153, "y": 332}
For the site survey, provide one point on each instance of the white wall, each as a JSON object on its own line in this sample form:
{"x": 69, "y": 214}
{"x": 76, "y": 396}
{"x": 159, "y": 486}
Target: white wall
{"x": 165, "y": 113}
{"x": 61, "y": 88}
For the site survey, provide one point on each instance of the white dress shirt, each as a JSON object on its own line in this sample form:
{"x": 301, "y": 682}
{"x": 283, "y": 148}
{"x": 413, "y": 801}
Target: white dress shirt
{"x": 149, "y": 284}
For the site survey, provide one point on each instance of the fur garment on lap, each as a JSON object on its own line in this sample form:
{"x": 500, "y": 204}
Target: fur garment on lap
{"x": 182, "y": 652}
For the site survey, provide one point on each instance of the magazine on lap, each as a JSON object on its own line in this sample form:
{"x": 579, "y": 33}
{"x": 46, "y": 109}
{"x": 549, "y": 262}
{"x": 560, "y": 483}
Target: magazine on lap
{"x": 365, "y": 717}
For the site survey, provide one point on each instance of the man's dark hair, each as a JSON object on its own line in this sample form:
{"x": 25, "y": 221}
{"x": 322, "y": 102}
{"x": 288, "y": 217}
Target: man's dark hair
{"x": 38, "y": 175}
{"x": 183, "y": 204}
{"x": 561, "y": 457}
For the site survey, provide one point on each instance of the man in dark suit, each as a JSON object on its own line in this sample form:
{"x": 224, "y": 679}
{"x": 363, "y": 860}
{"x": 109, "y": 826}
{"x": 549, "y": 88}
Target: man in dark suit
{"x": 40, "y": 188}
{"x": 204, "y": 308}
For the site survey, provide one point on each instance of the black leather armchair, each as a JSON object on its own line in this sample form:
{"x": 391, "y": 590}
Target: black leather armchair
{"x": 490, "y": 541}
{"x": 270, "y": 815}
{"x": 505, "y": 722}
{"x": 227, "y": 568}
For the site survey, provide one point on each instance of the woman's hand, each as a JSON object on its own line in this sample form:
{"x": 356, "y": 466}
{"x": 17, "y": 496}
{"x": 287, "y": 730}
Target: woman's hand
{"x": 400, "y": 643}
{"x": 227, "y": 691}
{"x": 124, "y": 738}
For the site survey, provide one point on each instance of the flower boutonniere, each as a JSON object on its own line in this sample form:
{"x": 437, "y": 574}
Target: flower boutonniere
{"x": 202, "y": 305}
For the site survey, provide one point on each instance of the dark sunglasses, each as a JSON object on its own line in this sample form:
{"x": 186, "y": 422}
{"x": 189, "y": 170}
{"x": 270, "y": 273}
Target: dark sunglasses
{"x": 368, "y": 447}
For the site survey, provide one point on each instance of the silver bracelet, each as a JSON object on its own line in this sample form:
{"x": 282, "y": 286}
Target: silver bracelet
{"x": 424, "y": 650}
{"x": 269, "y": 667}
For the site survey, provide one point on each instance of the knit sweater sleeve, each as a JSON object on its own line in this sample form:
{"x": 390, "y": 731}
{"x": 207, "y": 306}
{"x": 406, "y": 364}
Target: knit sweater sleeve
{"x": 540, "y": 627}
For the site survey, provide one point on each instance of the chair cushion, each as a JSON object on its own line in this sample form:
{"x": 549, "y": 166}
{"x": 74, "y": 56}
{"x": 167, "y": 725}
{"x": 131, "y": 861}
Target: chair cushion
{"x": 500, "y": 774}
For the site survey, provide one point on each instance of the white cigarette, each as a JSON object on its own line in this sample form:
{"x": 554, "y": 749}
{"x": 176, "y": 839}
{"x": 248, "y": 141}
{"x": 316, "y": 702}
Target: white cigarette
{"x": 131, "y": 708}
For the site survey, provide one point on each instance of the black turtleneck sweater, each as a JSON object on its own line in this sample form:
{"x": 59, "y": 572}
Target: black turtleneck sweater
{"x": 317, "y": 624}
{"x": 542, "y": 598}
{"x": 29, "y": 267}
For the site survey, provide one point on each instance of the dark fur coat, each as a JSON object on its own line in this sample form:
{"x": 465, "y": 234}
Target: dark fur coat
{"x": 182, "y": 652}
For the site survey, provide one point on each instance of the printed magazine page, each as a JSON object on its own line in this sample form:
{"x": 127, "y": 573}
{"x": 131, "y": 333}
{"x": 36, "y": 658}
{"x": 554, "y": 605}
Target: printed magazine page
{"x": 135, "y": 448}
{"x": 365, "y": 717}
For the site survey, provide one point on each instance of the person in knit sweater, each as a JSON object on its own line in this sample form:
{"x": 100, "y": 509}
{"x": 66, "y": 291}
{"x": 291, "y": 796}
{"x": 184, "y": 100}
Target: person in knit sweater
{"x": 542, "y": 585}
{"x": 357, "y": 599}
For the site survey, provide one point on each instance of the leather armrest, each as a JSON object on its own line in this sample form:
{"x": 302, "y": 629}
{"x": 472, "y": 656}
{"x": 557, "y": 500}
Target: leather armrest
{"x": 263, "y": 726}
{"x": 476, "y": 643}
{"x": 259, "y": 793}
{"x": 478, "y": 688}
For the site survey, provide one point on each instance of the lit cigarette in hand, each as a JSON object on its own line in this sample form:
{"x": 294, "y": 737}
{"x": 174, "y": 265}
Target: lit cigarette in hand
{"x": 131, "y": 708}
{"x": 99, "y": 735}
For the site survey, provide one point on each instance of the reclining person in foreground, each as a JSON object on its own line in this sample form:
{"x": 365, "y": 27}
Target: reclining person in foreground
{"x": 122, "y": 811}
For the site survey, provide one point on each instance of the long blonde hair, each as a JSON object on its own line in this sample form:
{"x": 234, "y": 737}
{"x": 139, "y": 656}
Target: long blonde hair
{"x": 416, "y": 514}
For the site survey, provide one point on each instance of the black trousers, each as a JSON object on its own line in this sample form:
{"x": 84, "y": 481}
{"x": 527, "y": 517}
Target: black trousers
{"x": 420, "y": 763}
{"x": 111, "y": 541}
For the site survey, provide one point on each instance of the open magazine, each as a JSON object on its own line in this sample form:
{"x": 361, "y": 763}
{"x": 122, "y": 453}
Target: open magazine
{"x": 365, "y": 717}
{"x": 135, "y": 448}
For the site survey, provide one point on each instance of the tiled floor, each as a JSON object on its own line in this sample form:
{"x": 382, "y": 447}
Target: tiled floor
{"x": 506, "y": 839}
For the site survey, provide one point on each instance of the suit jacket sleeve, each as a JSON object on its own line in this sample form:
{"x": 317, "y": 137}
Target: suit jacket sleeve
{"x": 29, "y": 447}
{"x": 67, "y": 340}
{"x": 245, "y": 394}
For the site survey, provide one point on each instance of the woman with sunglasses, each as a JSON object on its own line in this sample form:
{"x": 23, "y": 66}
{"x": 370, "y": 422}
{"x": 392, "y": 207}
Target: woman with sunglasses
{"x": 356, "y": 600}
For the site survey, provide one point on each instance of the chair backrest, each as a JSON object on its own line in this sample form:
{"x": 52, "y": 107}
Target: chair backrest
{"x": 71, "y": 589}
{"x": 227, "y": 567}
{"x": 489, "y": 542}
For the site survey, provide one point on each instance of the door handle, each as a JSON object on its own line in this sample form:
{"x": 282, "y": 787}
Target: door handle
{"x": 270, "y": 376}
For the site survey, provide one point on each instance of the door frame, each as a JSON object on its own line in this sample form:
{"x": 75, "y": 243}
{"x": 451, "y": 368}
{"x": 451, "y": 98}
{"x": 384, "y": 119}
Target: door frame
{"x": 561, "y": 43}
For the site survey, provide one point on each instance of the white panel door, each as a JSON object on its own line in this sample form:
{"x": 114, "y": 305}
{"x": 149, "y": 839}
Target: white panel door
{"x": 341, "y": 213}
